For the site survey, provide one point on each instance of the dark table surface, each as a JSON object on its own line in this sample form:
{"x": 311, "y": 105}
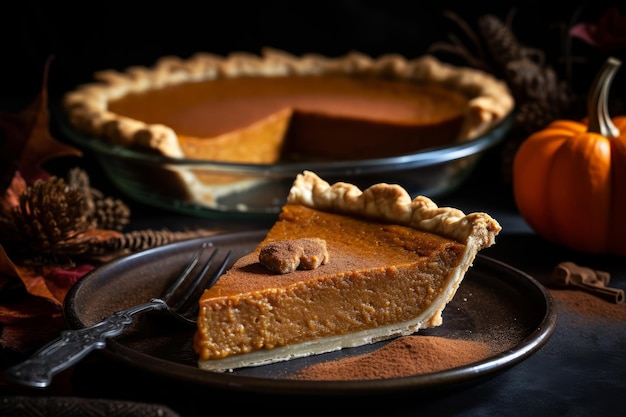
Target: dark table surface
{"x": 580, "y": 371}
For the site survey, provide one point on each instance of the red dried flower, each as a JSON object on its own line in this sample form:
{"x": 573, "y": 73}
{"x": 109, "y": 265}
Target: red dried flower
{"x": 608, "y": 34}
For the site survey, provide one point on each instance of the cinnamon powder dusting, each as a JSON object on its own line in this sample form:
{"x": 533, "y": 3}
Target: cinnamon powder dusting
{"x": 587, "y": 307}
{"x": 404, "y": 356}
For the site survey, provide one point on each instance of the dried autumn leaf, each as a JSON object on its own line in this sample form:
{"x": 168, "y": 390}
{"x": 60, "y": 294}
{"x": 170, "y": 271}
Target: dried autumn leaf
{"x": 27, "y": 142}
{"x": 59, "y": 280}
{"x": 51, "y": 283}
{"x": 33, "y": 280}
{"x": 29, "y": 323}
{"x": 12, "y": 193}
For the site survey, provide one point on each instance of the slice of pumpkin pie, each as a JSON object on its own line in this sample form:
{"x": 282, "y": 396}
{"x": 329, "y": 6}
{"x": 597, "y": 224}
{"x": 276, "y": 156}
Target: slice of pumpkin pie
{"x": 340, "y": 268}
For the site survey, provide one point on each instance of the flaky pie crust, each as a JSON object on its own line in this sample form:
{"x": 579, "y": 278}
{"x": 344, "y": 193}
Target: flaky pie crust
{"x": 392, "y": 203}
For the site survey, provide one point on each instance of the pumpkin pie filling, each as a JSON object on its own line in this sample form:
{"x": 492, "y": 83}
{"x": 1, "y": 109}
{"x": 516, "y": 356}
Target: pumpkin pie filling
{"x": 301, "y": 116}
{"x": 386, "y": 275}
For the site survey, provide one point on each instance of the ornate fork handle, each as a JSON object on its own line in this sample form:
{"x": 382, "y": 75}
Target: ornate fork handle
{"x": 73, "y": 345}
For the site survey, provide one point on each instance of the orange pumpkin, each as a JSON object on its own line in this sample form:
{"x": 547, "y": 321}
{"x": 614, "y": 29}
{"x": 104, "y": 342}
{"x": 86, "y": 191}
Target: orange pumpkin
{"x": 569, "y": 179}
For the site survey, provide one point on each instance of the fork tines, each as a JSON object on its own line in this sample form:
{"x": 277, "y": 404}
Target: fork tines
{"x": 186, "y": 304}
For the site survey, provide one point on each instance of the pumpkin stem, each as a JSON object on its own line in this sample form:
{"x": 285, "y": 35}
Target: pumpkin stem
{"x": 597, "y": 102}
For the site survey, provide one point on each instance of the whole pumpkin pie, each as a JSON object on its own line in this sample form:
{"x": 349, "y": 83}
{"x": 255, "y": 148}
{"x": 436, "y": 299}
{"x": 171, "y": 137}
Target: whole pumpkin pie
{"x": 244, "y": 108}
{"x": 260, "y": 109}
{"x": 340, "y": 268}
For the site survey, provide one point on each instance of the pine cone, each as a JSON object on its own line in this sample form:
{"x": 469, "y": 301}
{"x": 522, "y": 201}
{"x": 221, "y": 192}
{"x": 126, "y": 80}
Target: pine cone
{"x": 57, "y": 223}
{"x": 111, "y": 214}
{"x": 533, "y": 116}
{"x": 107, "y": 213}
{"x": 79, "y": 180}
{"x": 49, "y": 212}
{"x": 529, "y": 81}
{"x": 501, "y": 42}
{"x": 140, "y": 240}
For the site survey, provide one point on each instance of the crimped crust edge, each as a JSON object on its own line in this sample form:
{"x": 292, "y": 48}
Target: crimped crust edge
{"x": 391, "y": 202}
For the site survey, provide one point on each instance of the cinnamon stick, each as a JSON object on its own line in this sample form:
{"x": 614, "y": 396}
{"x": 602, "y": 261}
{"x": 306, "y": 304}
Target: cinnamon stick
{"x": 570, "y": 275}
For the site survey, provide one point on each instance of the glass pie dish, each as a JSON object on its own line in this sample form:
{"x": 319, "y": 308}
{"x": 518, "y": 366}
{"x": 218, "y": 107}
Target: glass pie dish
{"x": 239, "y": 189}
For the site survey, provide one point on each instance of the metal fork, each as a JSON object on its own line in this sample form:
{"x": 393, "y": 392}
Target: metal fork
{"x": 73, "y": 345}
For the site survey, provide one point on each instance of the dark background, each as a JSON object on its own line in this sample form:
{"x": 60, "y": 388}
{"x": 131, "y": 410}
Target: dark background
{"x": 84, "y": 37}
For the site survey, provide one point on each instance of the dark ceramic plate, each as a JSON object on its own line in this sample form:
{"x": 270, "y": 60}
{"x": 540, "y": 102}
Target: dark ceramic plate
{"x": 495, "y": 304}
